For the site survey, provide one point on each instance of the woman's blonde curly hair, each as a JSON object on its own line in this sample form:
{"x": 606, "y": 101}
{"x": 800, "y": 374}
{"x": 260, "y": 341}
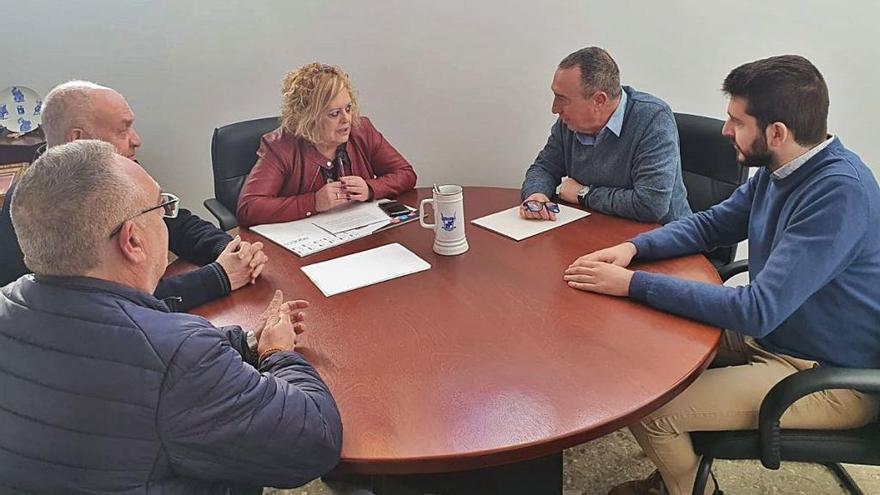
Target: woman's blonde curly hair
{"x": 305, "y": 94}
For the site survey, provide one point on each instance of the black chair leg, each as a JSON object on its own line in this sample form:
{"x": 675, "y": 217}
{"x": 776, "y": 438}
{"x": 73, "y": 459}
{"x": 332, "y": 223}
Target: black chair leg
{"x": 703, "y": 473}
{"x": 849, "y": 484}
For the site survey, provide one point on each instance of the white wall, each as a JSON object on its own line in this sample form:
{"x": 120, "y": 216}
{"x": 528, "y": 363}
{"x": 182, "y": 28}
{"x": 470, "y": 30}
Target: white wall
{"x": 460, "y": 88}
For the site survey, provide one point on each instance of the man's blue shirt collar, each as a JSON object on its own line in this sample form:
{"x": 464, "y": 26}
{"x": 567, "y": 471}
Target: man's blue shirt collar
{"x": 615, "y": 123}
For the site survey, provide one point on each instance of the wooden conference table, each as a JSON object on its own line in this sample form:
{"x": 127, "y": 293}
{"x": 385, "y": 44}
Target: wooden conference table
{"x": 488, "y": 358}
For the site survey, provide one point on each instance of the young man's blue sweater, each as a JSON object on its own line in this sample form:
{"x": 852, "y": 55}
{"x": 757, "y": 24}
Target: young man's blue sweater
{"x": 814, "y": 262}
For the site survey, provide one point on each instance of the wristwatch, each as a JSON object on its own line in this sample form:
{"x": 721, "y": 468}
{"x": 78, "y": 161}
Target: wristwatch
{"x": 582, "y": 194}
{"x": 251, "y": 340}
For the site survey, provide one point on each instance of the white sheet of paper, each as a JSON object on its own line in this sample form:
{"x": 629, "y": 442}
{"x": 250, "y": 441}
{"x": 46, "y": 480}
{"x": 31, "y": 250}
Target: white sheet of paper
{"x": 290, "y": 233}
{"x": 364, "y": 268}
{"x": 303, "y": 237}
{"x": 508, "y": 222}
{"x": 349, "y": 217}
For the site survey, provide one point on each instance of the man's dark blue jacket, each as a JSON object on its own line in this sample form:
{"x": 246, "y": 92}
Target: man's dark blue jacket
{"x": 102, "y": 389}
{"x": 189, "y": 237}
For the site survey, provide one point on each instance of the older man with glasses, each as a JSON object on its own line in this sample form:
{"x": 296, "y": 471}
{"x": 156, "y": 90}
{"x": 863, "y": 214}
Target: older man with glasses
{"x": 84, "y": 110}
{"x": 105, "y": 390}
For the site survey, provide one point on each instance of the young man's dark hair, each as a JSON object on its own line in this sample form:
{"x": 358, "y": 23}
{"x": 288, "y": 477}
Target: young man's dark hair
{"x": 787, "y": 89}
{"x": 809, "y": 214}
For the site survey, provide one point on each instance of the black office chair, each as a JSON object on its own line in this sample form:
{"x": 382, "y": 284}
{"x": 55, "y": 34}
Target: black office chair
{"x": 709, "y": 170}
{"x": 771, "y": 444}
{"x": 233, "y": 155}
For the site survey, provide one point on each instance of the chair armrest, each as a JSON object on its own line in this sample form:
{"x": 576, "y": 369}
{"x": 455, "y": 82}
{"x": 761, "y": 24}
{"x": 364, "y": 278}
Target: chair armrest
{"x": 225, "y": 217}
{"x": 729, "y": 270}
{"x": 798, "y": 385}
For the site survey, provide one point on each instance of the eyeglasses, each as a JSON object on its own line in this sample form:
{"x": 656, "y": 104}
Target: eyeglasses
{"x": 167, "y": 201}
{"x": 535, "y": 206}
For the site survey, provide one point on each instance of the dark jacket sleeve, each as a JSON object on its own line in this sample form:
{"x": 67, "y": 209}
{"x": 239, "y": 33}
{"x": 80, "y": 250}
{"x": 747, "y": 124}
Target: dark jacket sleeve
{"x": 219, "y": 418}
{"x": 194, "y": 239}
{"x": 394, "y": 175}
{"x": 192, "y": 289}
{"x": 11, "y": 259}
{"x": 237, "y": 339}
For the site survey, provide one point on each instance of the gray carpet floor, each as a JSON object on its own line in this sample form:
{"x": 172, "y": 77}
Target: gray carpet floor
{"x": 595, "y": 467}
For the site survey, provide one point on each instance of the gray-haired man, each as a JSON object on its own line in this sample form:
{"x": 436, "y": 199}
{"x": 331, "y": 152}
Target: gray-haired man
{"x": 613, "y": 149}
{"x": 85, "y": 110}
{"x": 104, "y": 389}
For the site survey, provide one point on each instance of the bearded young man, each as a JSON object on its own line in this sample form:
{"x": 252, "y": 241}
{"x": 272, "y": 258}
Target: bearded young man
{"x": 810, "y": 215}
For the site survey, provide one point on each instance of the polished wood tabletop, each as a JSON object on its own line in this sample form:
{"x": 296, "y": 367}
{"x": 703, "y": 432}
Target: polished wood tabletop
{"x": 489, "y": 357}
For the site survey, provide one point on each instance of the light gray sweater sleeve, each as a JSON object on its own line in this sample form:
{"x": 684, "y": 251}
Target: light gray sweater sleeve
{"x": 549, "y": 167}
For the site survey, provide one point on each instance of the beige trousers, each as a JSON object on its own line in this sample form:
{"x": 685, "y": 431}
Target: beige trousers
{"x": 728, "y": 398}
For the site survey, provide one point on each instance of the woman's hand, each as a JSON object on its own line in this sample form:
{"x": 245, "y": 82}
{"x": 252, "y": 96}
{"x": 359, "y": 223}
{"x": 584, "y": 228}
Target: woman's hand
{"x": 356, "y": 187}
{"x": 332, "y": 195}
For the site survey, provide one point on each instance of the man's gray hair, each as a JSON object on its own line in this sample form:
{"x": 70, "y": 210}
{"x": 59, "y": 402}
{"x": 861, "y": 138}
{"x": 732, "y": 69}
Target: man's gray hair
{"x": 67, "y": 106}
{"x": 599, "y": 72}
{"x": 66, "y": 205}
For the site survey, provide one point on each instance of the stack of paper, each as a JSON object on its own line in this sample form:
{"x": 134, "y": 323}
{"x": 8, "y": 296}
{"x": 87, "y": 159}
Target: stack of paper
{"x": 354, "y": 216}
{"x": 314, "y": 234}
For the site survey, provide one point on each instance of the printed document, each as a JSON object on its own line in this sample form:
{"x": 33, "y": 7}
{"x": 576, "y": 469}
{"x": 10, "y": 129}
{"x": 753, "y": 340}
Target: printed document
{"x": 317, "y": 233}
{"x": 353, "y": 216}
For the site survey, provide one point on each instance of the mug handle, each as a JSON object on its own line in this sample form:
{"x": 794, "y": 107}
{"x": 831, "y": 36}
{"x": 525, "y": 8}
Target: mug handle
{"x": 422, "y": 214}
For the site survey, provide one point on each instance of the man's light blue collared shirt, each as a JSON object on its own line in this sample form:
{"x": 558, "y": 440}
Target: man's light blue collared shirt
{"x": 615, "y": 123}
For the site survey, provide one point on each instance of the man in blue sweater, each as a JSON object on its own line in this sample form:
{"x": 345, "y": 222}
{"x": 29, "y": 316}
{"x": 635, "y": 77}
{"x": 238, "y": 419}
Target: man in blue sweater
{"x": 613, "y": 149}
{"x": 810, "y": 215}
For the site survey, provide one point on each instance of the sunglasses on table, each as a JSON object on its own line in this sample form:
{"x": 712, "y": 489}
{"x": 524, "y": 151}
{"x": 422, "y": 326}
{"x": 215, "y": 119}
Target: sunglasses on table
{"x": 167, "y": 201}
{"x": 535, "y": 206}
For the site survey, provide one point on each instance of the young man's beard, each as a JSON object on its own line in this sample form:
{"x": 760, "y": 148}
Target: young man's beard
{"x": 758, "y": 156}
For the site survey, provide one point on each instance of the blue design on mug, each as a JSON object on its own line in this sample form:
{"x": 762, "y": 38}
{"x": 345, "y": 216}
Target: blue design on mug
{"x": 17, "y": 95}
{"x": 38, "y": 107}
{"x": 3, "y": 111}
{"x": 24, "y": 125}
{"x": 19, "y": 109}
{"x": 448, "y": 222}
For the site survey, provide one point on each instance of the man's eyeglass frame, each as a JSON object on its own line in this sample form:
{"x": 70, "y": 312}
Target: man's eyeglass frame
{"x": 536, "y": 206}
{"x": 169, "y": 203}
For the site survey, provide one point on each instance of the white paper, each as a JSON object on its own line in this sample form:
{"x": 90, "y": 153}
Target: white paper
{"x": 364, "y": 268}
{"x": 290, "y": 233}
{"x": 350, "y": 217}
{"x": 303, "y": 237}
{"x": 509, "y": 223}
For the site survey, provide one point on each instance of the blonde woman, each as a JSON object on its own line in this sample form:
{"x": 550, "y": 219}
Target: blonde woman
{"x": 323, "y": 156}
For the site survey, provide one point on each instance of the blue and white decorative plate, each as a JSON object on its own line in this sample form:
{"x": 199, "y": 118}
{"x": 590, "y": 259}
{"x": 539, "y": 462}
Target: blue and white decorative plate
{"x": 21, "y": 109}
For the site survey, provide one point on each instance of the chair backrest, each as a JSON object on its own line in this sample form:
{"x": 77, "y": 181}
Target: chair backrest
{"x": 234, "y": 154}
{"x": 709, "y": 168}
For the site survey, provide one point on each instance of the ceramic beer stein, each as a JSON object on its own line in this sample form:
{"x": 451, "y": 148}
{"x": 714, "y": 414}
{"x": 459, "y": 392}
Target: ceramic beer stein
{"x": 448, "y": 205}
